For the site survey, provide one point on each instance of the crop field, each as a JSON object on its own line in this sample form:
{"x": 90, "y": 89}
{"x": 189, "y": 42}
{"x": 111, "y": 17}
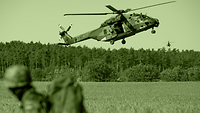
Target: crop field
{"x": 126, "y": 97}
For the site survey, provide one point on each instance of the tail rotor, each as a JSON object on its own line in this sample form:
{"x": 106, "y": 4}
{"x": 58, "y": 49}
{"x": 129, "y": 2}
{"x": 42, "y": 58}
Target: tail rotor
{"x": 64, "y": 35}
{"x": 69, "y": 27}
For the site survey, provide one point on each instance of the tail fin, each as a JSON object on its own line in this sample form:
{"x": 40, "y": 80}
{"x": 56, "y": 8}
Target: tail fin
{"x": 64, "y": 35}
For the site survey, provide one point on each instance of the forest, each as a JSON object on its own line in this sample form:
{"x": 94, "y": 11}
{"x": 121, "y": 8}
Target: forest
{"x": 48, "y": 61}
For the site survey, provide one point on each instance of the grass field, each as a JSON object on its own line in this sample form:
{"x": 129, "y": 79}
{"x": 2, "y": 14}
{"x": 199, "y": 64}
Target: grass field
{"x": 129, "y": 97}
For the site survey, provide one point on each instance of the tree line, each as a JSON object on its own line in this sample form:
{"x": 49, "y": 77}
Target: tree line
{"x": 47, "y": 61}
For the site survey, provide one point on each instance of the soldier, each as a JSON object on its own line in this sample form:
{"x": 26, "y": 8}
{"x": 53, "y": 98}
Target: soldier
{"x": 17, "y": 79}
{"x": 66, "y": 96}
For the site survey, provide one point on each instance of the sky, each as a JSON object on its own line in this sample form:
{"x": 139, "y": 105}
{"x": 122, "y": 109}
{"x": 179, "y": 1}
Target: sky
{"x": 37, "y": 21}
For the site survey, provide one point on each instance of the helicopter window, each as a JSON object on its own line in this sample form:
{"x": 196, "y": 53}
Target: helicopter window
{"x": 105, "y": 31}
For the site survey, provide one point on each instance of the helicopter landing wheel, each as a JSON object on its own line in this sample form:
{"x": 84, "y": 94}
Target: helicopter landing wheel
{"x": 112, "y": 42}
{"x": 153, "y": 31}
{"x": 123, "y": 41}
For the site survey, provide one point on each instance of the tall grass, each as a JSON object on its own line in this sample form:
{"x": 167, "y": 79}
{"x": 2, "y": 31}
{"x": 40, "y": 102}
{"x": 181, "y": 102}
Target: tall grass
{"x": 127, "y": 97}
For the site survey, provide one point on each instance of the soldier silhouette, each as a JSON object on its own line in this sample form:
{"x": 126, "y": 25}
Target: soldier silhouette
{"x": 18, "y": 80}
{"x": 64, "y": 95}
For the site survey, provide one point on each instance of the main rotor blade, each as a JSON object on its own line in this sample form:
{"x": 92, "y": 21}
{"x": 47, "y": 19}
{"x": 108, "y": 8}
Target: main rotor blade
{"x": 111, "y": 8}
{"x": 89, "y": 14}
{"x": 150, "y": 6}
{"x": 115, "y": 11}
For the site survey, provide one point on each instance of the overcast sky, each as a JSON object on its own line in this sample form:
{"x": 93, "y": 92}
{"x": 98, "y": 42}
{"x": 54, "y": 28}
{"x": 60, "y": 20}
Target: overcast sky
{"x": 37, "y": 20}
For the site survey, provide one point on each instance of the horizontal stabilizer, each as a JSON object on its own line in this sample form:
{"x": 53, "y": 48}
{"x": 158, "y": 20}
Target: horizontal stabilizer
{"x": 63, "y": 44}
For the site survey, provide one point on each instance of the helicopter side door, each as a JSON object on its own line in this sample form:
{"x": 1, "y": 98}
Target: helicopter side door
{"x": 109, "y": 32}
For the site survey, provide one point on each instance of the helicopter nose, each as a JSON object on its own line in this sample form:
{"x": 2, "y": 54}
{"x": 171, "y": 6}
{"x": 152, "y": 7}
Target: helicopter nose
{"x": 156, "y": 22}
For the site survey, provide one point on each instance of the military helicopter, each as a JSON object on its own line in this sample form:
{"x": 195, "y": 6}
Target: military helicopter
{"x": 115, "y": 28}
{"x": 169, "y": 43}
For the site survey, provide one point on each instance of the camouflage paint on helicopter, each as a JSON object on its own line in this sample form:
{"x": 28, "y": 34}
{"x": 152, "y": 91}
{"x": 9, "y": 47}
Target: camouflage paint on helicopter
{"x": 115, "y": 28}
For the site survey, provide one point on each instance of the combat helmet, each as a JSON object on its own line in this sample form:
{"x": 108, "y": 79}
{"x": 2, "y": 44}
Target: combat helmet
{"x": 17, "y": 76}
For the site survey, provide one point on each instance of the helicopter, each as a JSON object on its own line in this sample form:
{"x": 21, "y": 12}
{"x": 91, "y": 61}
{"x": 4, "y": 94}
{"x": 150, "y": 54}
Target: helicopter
{"x": 169, "y": 43}
{"x": 115, "y": 28}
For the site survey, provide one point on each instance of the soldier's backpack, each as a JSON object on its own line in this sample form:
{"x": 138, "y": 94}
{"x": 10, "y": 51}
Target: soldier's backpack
{"x": 65, "y": 96}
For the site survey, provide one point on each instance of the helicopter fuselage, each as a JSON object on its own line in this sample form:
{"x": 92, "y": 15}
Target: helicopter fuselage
{"x": 116, "y": 28}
